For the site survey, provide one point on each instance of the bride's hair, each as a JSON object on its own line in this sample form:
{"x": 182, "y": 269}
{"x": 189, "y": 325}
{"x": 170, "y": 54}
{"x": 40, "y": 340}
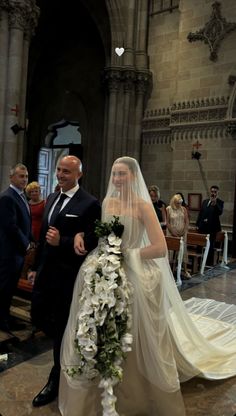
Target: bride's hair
{"x": 129, "y": 161}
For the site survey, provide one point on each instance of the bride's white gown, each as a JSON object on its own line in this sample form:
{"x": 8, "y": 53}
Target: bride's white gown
{"x": 169, "y": 342}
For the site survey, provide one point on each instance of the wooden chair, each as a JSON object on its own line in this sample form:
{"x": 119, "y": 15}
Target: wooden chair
{"x": 176, "y": 245}
{"x": 194, "y": 242}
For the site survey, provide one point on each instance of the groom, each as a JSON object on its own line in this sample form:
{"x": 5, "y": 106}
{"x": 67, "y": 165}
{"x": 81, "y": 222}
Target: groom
{"x": 67, "y": 212}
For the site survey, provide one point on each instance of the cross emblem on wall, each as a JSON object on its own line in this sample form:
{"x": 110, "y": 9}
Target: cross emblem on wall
{"x": 15, "y": 110}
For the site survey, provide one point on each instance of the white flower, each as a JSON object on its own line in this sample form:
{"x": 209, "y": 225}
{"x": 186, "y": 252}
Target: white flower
{"x": 104, "y": 308}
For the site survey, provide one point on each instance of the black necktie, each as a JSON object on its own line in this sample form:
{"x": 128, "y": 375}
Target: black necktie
{"x": 57, "y": 208}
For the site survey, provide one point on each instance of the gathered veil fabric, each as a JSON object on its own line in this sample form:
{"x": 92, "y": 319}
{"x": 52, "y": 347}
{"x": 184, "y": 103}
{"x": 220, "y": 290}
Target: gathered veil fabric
{"x": 173, "y": 341}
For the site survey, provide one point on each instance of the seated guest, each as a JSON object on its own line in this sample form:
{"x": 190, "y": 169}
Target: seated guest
{"x": 158, "y": 204}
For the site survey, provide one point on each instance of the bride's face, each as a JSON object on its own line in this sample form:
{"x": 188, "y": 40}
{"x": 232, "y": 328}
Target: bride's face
{"x": 121, "y": 175}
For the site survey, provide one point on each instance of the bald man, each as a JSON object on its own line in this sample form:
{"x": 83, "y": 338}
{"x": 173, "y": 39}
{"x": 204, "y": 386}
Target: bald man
{"x": 67, "y": 212}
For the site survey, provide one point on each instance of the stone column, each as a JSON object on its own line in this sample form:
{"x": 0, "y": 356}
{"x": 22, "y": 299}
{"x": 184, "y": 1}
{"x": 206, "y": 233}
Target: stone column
{"x": 21, "y": 16}
{"x": 129, "y": 38}
{"x": 30, "y": 24}
{"x": 142, "y": 84}
{"x": 4, "y": 40}
{"x": 113, "y": 79}
{"x": 141, "y": 59}
{"x": 129, "y": 88}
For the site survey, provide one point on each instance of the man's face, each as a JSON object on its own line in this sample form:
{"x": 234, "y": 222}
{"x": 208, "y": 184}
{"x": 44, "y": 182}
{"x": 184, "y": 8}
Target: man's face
{"x": 153, "y": 196}
{"x": 20, "y": 178}
{"x": 214, "y": 193}
{"x": 68, "y": 173}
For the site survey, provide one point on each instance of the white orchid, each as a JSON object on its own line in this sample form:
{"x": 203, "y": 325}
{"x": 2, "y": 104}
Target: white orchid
{"x": 104, "y": 308}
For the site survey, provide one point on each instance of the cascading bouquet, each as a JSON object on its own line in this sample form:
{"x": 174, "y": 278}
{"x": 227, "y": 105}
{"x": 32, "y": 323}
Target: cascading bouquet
{"x": 104, "y": 317}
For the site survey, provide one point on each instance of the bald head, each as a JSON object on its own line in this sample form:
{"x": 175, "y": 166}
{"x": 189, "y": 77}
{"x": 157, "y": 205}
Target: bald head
{"x": 69, "y": 171}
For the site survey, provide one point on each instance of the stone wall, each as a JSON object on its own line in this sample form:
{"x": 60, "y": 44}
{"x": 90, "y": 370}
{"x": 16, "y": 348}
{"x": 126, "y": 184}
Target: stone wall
{"x": 188, "y": 107}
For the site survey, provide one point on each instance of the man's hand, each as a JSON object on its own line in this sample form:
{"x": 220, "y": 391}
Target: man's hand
{"x": 213, "y": 199}
{"x": 53, "y": 236}
{"x": 79, "y": 244}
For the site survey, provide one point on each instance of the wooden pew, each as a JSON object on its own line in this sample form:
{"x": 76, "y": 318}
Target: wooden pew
{"x": 194, "y": 241}
{"x": 176, "y": 244}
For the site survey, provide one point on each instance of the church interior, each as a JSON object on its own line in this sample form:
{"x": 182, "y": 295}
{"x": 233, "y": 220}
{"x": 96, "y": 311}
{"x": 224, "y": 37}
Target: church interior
{"x": 100, "y": 79}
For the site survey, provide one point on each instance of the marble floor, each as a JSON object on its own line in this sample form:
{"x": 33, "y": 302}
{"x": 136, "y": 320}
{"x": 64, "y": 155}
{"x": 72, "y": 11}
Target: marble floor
{"x": 29, "y": 359}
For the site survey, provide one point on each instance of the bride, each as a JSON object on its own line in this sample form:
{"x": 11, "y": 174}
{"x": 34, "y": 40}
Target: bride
{"x": 172, "y": 342}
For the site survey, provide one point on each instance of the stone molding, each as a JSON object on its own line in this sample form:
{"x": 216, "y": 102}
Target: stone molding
{"x": 206, "y": 118}
{"x": 127, "y": 80}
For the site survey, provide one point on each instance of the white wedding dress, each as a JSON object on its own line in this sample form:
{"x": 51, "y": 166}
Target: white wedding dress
{"x": 166, "y": 342}
{"x": 172, "y": 342}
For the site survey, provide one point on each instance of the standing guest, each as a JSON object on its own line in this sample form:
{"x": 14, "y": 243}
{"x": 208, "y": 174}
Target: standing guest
{"x": 158, "y": 204}
{"x": 67, "y": 212}
{"x": 37, "y": 204}
{"x": 15, "y": 241}
{"x": 177, "y": 225}
{"x": 208, "y": 221}
{"x": 183, "y": 203}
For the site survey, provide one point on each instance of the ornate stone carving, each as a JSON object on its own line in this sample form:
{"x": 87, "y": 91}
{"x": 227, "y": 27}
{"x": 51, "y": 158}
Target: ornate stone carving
{"x": 128, "y": 79}
{"x": 24, "y": 15}
{"x": 4, "y": 5}
{"x": 143, "y": 81}
{"x": 117, "y": 78}
{"x": 112, "y": 77}
{"x": 214, "y": 31}
{"x": 206, "y": 118}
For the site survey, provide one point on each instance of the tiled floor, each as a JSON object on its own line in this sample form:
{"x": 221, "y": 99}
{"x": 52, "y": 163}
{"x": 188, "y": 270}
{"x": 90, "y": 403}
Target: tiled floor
{"x": 29, "y": 360}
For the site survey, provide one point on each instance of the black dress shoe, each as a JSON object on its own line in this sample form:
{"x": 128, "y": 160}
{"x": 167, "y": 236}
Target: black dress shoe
{"x": 47, "y": 394}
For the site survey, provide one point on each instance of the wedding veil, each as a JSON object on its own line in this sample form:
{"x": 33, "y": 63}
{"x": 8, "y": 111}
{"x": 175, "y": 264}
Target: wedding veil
{"x": 166, "y": 337}
{"x": 167, "y": 343}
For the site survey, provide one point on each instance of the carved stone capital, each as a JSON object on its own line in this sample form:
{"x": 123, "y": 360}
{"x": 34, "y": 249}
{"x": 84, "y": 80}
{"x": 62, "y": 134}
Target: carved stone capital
{"x": 129, "y": 78}
{"x": 24, "y": 15}
{"x": 113, "y": 79}
{"x": 143, "y": 81}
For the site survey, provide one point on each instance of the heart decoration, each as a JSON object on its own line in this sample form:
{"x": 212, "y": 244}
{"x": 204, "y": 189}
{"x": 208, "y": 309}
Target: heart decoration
{"x": 119, "y": 51}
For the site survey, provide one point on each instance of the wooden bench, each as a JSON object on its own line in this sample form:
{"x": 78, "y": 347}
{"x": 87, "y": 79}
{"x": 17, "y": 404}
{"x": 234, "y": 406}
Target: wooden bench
{"x": 194, "y": 242}
{"x": 176, "y": 244}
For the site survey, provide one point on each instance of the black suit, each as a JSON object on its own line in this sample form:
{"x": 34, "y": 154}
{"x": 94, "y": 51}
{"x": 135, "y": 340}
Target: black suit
{"x": 208, "y": 222}
{"x": 15, "y": 236}
{"x": 57, "y": 266}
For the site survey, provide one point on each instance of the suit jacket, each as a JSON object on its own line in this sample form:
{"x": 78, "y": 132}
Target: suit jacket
{"x": 15, "y": 226}
{"x": 208, "y": 219}
{"x": 57, "y": 266}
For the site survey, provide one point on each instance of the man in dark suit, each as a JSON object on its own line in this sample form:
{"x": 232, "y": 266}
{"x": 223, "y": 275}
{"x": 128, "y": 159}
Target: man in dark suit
{"x": 15, "y": 240}
{"x": 57, "y": 264}
{"x": 208, "y": 221}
